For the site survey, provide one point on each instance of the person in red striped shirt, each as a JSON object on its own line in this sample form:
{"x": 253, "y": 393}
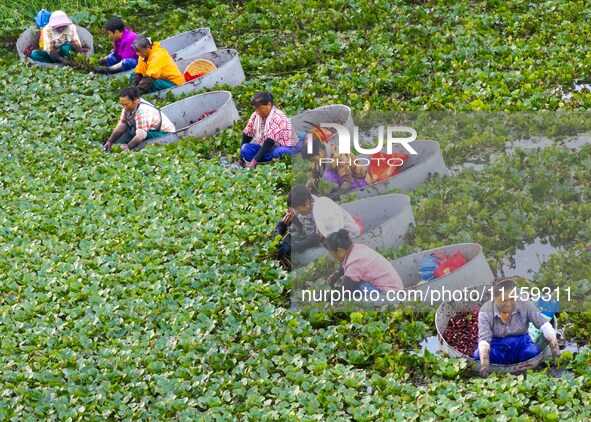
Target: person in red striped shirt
{"x": 268, "y": 133}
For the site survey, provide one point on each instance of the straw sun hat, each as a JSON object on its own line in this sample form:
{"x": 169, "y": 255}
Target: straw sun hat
{"x": 198, "y": 68}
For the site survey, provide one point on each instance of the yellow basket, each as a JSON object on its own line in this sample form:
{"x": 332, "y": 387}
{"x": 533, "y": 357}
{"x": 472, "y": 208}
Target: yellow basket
{"x": 200, "y": 66}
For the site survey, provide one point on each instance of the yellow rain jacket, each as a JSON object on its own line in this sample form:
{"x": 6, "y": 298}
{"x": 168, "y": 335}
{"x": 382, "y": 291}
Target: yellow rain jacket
{"x": 160, "y": 66}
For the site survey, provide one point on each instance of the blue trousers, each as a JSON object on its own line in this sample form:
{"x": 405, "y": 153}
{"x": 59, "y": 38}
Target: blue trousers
{"x": 248, "y": 151}
{"x": 351, "y": 285}
{"x": 366, "y": 285}
{"x": 126, "y": 64}
{"x": 510, "y": 350}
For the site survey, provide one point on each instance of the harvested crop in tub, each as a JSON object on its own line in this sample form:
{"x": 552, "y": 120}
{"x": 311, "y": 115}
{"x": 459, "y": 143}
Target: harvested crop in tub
{"x": 462, "y": 331}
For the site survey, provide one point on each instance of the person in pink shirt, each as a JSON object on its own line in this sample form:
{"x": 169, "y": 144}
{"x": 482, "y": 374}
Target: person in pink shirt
{"x": 123, "y": 57}
{"x": 362, "y": 267}
{"x": 268, "y": 133}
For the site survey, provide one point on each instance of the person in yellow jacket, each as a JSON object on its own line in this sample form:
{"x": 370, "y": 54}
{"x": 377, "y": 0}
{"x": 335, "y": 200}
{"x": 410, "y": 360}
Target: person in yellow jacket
{"x": 155, "y": 70}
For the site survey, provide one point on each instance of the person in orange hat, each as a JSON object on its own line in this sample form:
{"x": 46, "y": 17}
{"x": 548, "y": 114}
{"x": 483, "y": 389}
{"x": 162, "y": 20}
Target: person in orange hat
{"x": 60, "y": 38}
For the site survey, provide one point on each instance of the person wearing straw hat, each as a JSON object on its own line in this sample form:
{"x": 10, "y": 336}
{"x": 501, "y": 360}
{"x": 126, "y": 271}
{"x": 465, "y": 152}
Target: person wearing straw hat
{"x": 268, "y": 134}
{"x": 310, "y": 219}
{"x": 503, "y": 329}
{"x": 156, "y": 70}
{"x": 123, "y": 57}
{"x": 60, "y": 39}
{"x": 362, "y": 268}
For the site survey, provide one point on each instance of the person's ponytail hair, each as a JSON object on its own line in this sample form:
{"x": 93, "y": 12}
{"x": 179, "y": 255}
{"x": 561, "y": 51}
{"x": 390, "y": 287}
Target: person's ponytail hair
{"x": 337, "y": 240}
{"x": 141, "y": 42}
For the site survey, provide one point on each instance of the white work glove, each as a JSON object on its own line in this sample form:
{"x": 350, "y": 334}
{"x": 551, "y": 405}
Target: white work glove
{"x": 550, "y": 336}
{"x": 484, "y": 350}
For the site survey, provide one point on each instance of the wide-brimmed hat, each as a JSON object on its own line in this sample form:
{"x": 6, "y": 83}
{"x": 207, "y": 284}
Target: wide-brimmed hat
{"x": 59, "y": 18}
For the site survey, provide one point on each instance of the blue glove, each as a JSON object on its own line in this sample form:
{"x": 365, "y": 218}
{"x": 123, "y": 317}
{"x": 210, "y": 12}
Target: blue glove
{"x": 283, "y": 249}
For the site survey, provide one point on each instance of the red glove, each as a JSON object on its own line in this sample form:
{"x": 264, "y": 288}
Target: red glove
{"x": 252, "y": 164}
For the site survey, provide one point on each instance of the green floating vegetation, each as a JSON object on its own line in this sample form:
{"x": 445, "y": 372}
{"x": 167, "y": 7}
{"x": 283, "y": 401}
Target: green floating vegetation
{"x": 138, "y": 286}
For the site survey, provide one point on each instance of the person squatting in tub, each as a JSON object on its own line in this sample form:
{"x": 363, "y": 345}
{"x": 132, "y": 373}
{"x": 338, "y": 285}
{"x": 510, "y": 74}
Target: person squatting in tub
{"x": 362, "y": 268}
{"x": 59, "y": 38}
{"x": 309, "y": 220}
{"x": 503, "y": 323}
{"x": 139, "y": 120}
{"x": 123, "y": 57}
{"x": 268, "y": 134}
{"x": 156, "y": 70}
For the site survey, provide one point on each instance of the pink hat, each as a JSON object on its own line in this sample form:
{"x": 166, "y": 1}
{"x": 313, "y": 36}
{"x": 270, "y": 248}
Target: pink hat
{"x": 59, "y": 18}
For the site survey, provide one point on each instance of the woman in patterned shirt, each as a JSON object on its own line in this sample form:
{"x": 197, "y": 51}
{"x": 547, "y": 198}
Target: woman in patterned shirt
{"x": 271, "y": 131}
{"x": 60, "y": 38}
{"x": 139, "y": 120}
